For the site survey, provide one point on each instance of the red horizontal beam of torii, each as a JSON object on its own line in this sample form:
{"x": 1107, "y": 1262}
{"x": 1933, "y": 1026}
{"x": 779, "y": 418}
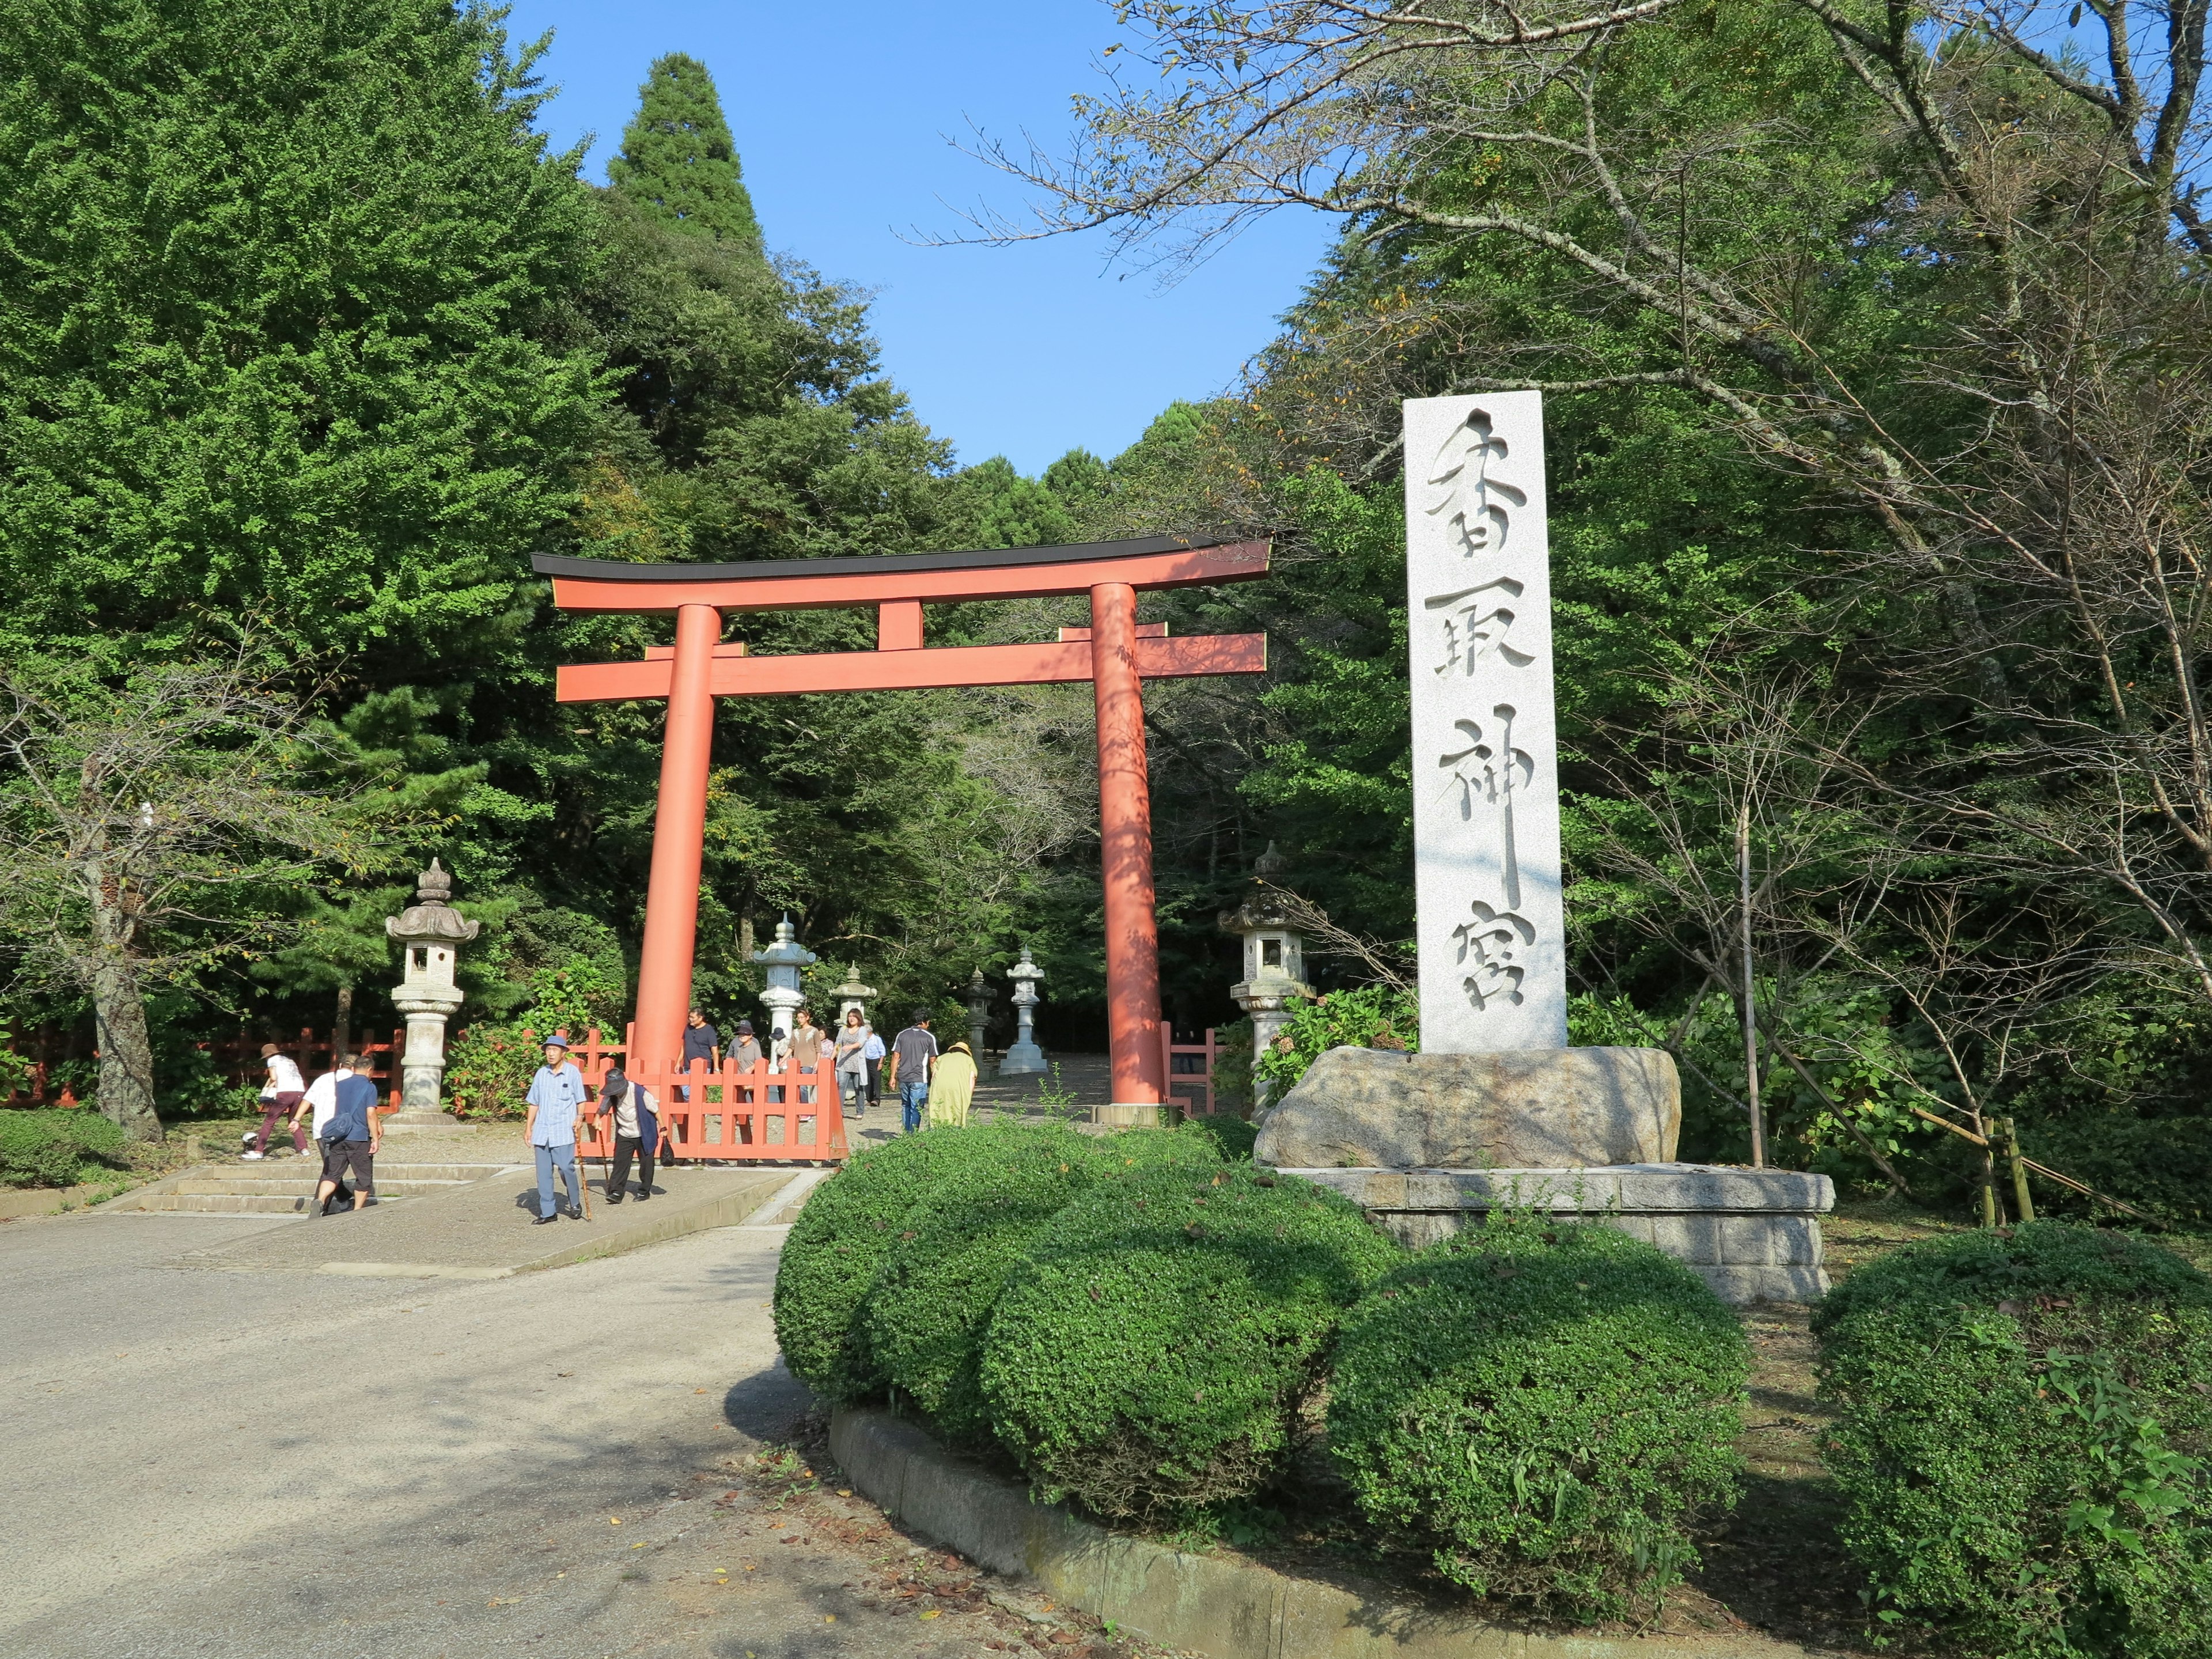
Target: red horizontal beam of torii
{"x": 1115, "y": 653}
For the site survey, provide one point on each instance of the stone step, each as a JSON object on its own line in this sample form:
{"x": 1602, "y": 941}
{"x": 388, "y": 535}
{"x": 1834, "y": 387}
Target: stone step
{"x": 265, "y": 1187}
{"x": 306, "y": 1168}
{"x": 234, "y": 1203}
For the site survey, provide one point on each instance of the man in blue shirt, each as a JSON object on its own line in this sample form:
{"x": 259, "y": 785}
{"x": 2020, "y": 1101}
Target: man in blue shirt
{"x": 351, "y": 1137}
{"x": 557, "y": 1095}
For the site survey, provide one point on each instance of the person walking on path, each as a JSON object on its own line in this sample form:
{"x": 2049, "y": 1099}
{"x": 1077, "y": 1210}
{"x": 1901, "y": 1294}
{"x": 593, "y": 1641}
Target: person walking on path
{"x": 952, "y": 1086}
{"x": 853, "y": 1039}
{"x": 913, "y": 1057}
{"x": 280, "y": 1098}
{"x": 321, "y": 1099}
{"x": 872, "y": 1053}
{"x": 351, "y": 1137}
{"x": 557, "y": 1095}
{"x": 808, "y": 1040}
{"x": 637, "y": 1133}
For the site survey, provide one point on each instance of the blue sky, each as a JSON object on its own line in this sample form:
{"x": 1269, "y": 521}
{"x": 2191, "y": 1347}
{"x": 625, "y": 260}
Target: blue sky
{"x": 838, "y": 111}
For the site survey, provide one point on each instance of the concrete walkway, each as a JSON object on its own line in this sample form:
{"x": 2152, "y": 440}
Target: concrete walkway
{"x": 484, "y": 1229}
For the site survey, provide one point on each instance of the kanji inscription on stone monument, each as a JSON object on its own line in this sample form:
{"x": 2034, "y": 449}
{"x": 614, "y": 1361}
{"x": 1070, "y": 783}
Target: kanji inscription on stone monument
{"x": 1485, "y": 752}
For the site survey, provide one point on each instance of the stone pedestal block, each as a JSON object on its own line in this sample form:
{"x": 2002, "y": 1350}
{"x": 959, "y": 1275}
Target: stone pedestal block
{"x": 1753, "y": 1234}
{"x": 1515, "y": 1108}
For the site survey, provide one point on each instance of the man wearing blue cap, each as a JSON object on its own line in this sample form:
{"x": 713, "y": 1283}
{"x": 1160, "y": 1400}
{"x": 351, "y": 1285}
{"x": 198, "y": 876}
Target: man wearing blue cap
{"x": 557, "y": 1095}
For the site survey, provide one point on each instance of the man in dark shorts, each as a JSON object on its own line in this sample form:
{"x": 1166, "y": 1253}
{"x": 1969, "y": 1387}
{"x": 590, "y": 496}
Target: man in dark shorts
{"x": 351, "y": 1140}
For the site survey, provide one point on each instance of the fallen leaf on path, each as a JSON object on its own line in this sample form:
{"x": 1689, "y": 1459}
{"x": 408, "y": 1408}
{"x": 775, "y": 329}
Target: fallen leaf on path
{"x": 933, "y": 1613}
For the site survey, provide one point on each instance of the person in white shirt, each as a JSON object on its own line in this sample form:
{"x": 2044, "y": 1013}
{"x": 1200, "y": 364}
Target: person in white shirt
{"x": 872, "y": 1056}
{"x": 280, "y": 1097}
{"x": 637, "y": 1133}
{"x": 321, "y": 1099}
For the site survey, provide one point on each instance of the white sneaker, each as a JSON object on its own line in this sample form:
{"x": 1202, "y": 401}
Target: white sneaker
{"x": 254, "y": 1158}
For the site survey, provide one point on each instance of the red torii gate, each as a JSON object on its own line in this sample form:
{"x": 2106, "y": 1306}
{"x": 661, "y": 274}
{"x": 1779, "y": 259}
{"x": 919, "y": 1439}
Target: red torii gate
{"x": 1115, "y": 653}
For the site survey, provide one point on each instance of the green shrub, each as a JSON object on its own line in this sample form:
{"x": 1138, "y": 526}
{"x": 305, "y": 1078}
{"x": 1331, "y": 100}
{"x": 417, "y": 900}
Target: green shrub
{"x": 831, "y": 1254}
{"x": 1150, "y": 1354}
{"x": 923, "y": 1320}
{"x": 1544, "y": 1409}
{"x": 55, "y": 1148}
{"x": 1231, "y": 1136}
{"x": 1373, "y": 1016}
{"x": 2022, "y": 1440}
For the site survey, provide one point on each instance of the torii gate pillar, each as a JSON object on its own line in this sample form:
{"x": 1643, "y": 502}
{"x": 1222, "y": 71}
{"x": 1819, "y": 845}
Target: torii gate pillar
{"x": 679, "y": 838}
{"x": 1125, "y": 840}
{"x": 1115, "y": 653}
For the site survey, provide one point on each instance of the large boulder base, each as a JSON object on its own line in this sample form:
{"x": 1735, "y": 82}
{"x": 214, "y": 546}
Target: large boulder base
{"x": 1515, "y": 1108}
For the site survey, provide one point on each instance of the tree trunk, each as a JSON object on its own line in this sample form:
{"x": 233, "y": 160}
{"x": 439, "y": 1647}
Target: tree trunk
{"x": 342, "y": 1026}
{"x": 126, "y": 1052}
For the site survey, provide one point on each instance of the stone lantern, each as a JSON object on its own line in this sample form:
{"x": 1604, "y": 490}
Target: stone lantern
{"x": 1275, "y": 961}
{"x": 1024, "y": 1056}
{"x": 429, "y": 932}
{"x": 852, "y": 995}
{"x": 978, "y": 1015}
{"x": 784, "y": 959}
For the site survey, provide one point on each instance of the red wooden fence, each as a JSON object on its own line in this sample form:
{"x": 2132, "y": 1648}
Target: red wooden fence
{"x": 238, "y": 1061}
{"x": 1189, "y": 1069}
{"x": 720, "y": 1112}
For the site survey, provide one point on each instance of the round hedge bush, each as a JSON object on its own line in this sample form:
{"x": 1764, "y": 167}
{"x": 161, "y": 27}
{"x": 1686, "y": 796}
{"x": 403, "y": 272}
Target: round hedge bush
{"x": 1544, "y": 1409}
{"x": 831, "y": 1254}
{"x": 2023, "y": 1440}
{"x": 1151, "y": 1353}
{"x": 922, "y": 1323}
{"x": 41, "y": 1147}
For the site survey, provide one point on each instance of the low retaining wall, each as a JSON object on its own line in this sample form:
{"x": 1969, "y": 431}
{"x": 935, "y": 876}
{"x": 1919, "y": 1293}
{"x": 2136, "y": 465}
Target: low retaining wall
{"x": 1753, "y": 1234}
{"x": 1217, "y": 1606}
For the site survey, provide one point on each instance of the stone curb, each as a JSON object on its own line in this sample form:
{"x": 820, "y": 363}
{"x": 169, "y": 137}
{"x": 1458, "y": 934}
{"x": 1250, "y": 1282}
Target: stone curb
{"x": 1224, "y": 1608}
{"x": 27, "y": 1203}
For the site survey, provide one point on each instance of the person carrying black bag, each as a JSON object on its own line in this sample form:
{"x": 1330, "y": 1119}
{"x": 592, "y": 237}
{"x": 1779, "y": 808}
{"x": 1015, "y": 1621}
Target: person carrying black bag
{"x": 637, "y": 1133}
{"x": 350, "y": 1139}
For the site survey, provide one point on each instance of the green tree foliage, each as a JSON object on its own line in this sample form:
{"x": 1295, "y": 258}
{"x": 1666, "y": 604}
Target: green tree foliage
{"x": 678, "y": 161}
{"x": 270, "y": 284}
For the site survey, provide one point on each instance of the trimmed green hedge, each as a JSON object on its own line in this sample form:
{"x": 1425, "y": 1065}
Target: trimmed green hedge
{"x": 1232, "y": 1136}
{"x": 1151, "y": 1353}
{"x": 41, "y": 1148}
{"x": 2023, "y": 1440}
{"x": 831, "y": 1254}
{"x": 922, "y": 1323}
{"x": 1544, "y": 1409}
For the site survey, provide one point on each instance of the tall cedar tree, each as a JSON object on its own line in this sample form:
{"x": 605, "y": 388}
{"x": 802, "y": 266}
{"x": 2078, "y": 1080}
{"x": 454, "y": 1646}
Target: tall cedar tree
{"x": 270, "y": 289}
{"x": 677, "y": 159}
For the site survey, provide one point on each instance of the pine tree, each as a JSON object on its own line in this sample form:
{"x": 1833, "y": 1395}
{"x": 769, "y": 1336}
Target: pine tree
{"x": 678, "y": 160}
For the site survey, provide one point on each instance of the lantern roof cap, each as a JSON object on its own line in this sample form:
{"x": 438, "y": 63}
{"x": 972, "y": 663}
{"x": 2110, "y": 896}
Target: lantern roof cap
{"x": 430, "y": 919}
{"x": 787, "y": 948}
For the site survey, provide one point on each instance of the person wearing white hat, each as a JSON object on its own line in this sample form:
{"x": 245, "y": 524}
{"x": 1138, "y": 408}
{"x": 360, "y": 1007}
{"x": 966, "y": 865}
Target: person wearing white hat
{"x": 556, "y": 1094}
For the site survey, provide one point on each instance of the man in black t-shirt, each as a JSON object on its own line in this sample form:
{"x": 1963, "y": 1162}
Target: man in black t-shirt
{"x": 913, "y": 1057}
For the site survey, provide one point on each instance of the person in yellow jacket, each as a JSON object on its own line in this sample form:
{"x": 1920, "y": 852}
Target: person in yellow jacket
{"x": 951, "y": 1088}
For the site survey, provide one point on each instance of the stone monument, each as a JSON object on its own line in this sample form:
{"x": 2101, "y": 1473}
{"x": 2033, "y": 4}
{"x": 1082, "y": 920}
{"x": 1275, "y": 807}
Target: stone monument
{"x": 784, "y": 959}
{"x": 1496, "y": 1109}
{"x": 1274, "y": 963}
{"x": 853, "y": 995}
{"x": 1023, "y": 1056}
{"x": 429, "y": 932}
{"x": 979, "y": 1016}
